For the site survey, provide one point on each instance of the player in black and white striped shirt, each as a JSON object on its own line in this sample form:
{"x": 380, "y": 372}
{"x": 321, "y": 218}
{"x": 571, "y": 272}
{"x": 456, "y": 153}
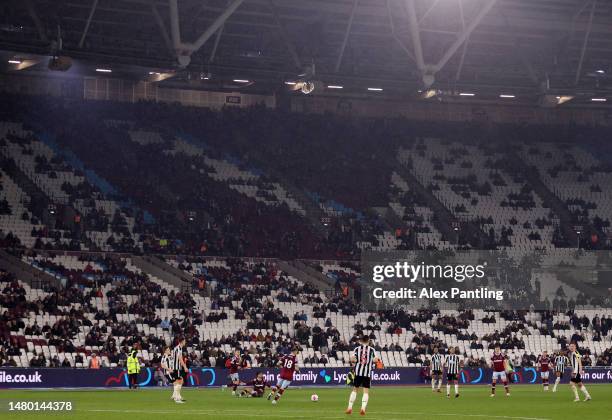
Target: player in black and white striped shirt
{"x": 165, "y": 364}
{"x": 453, "y": 365}
{"x": 363, "y": 358}
{"x": 178, "y": 369}
{"x": 437, "y": 364}
{"x": 576, "y": 381}
{"x": 561, "y": 362}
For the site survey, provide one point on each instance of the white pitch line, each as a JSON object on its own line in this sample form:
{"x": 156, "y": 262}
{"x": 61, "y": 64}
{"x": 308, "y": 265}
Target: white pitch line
{"x": 384, "y": 413}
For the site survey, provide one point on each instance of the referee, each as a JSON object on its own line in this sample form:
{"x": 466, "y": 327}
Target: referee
{"x": 363, "y": 358}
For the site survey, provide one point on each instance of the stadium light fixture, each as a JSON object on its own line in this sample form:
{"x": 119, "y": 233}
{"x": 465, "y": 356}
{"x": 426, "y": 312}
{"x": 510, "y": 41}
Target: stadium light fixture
{"x": 14, "y": 61}
{"x": 103, "y": 70}
{"x": 157, "y": 76}
{"x": 288, "y": 83}
{"x": 599, "y": 100}
{"x": 600, "y": 71}
{"x": 335, "y": 87}
{"x": 467, "y": 94}
{"x": 503, "y": 95}
{"x": 372, "y": 89}
{"x": 563, "y": 99}
{"x": 241, "y": 81}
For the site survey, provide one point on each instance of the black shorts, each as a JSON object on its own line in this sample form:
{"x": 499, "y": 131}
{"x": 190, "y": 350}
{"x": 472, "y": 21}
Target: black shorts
{"x": 436, "y": 372}
{"x": 451, "y": 377}
{"x": 173, "y": 376}
{"x": 361, "y": 382}
{"x": 576, "y": 379}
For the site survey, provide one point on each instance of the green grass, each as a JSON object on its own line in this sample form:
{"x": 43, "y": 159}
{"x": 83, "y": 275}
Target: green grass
{"x": 388, "y": 403}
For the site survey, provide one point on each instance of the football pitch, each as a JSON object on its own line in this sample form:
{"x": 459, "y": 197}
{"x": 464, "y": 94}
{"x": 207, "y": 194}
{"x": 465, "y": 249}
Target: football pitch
{"x": 527, "y": 402}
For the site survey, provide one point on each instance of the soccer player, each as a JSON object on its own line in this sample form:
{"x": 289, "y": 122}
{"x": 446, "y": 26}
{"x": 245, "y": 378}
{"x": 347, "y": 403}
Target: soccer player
{"x": 499, "y": 363}
{"x": 258, "y": 387}
{"x": 544, "y": 368}
{"x": 576, "y": 381}
{"x": 453, "y": 365}
{"x": 178, "y": 368}
{"x": 364, "y": 358}
{"x": 437, "y": 362}
{"x": 165, "y": 364}
{"x": 288, "y": 365}
{"x": 235, "y": 364}
{"x": 561, "y": 361}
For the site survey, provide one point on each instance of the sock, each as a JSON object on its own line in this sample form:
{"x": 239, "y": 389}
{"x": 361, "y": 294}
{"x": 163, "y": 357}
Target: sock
{"x": 447, "y": 389}
{"x": 352, "y": 399}
{"x": 433, "y": 384}
{"x": 506, "y": 387}
{"x": 456, "y": 389}
{"x": 175, "y": 392}
{"x": 556, "y": 383}
{"x": 584, "y": 391}
{"x": 364, "y": 401}
{"x": 279, "y": 394}
{"x": 575, "y": 391}
{"x": 493, "y": 388}
{"x": 439, "y": 383}
{"x": 234, "y": 387}
{"x": 178, "y": 392}
{"x": 545, "y": 383}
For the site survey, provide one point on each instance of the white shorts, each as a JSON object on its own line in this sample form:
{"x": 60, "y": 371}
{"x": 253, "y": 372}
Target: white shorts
{"x": 282, "y": 383}
{"x": 499, "y": 375}
{"x": 544, "y": 375}
{"x": 234, "y": 377}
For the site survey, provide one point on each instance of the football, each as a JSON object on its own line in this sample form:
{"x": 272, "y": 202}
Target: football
{"x": 314, "y": 398}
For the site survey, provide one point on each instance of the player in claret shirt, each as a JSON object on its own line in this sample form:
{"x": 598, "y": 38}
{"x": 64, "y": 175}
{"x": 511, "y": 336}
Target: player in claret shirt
{"x": 257, "y": 387}
{"x": 544, "y": 368}
{"x": 288, "y": 364}
{"x": 234, "y": 364}
{"x": 499, "y": 363}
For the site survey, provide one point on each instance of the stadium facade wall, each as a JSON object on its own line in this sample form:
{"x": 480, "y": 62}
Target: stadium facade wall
{"x": 98, "y": 88}
{"x": 211, "y": 377}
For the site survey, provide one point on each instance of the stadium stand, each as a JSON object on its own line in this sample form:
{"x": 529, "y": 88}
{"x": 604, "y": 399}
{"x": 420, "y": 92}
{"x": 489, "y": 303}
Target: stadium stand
{"x": 160, "y": 179}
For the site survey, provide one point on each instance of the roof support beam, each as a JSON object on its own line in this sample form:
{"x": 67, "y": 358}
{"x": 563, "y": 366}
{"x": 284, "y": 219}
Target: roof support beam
{"x": 162, "y": 29}
{"x": 585, "y": 42}
{"x": 284, "y": 35}
{"x": 175, "y": 28}
{"x": 94, "y": 5}
{"x": 215, "y": 26}
{"x": 415, "y": 35}
{"x": 347, "y": 33}
{"x": 213, "y": 53}
{"x": 519, "y": 51}
{"x": 464, "y": 35}
{"x": 39, "y": 27}
{"x": 394, "y": 33}
{"x": 465, "y": 45}
{"x": 428, "y": 11}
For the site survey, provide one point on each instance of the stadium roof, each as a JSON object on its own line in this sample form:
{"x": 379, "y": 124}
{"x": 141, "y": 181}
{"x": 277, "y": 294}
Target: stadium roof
{"x": 518, "y": 44}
